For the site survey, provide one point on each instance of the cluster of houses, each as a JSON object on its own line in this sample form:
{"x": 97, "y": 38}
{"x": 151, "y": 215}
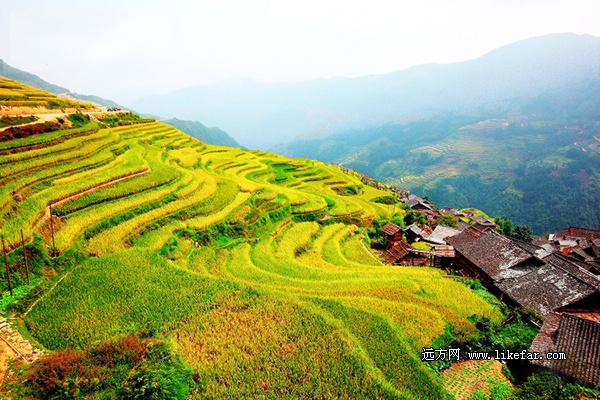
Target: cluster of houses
{"x": 558, "y": 277}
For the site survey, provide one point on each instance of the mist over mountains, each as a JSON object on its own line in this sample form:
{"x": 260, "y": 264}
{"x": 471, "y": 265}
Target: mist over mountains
{"x": 261, "y": 115}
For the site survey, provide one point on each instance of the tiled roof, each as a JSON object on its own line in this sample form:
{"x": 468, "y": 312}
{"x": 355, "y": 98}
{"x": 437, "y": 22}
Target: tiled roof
{"x": 440, "y": 233}
{"x": 483, "y": 227}
{"x": 547, "y": 288}
{"x": 538, "y": 251}
{"x": 471, "y": 230}
{"x": 426, "y": 231}
{"x": 578, "y": 338}
{"x": 579, "y": 233}
{"x": 413, "y": 228}
{"x": 391, "y": 229}
{"x": 483, "y": 221}
{"x": 574, "y": 268}
{"x": 448, "y": 210}
{"x": 528, "y": 274}
{"x": 397, "y": 252}
{"x": 414, "y": 202}
{"x": 441, "y": 250}
{"x": 497, "y": 256}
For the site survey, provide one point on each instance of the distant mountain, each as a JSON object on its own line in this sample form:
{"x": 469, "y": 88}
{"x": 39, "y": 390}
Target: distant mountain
{"x": 95, "y": 99}
{"x": 261, "y": 115}
{"x": 203, "y": 133}
{"x": 29, "y": 79}
{"x": 33, "y": 80}
{"x": 533, "y": 159}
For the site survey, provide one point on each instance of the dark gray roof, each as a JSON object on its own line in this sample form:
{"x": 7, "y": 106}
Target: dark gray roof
{"x": 525, "y": 272}
{"x": 497, "y": 256}
{"x": 440, "y": 233}
{"x": 413, "y": 228}
{"x": 483, "y": 221}
{"x": 413, "y": 202}
{"x": 547, "y": 288}
{"x": 574, "y": 268}
{"x": 576, "y": 336}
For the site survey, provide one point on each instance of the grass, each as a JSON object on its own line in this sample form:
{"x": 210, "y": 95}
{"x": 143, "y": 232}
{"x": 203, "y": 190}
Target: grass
{"x": 118, "y": 294}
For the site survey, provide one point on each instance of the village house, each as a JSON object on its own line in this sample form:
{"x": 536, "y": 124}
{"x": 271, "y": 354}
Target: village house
{"x": 582, "y": 245}
{"x": 557, "y": 287}
{"x": 393, "y": 233}
{"x": 448, "y": 210}
{"x": 414, "y": 233}
{"x": 562, "y": 287}
{"x": 443, "y": 256}
{"x": 577, "y": 233}
{"x": 520, "y": 273}
{"x": 404, "y": 254}
{"x": 575, "y": 331}
{"x": 483, "y": 221}
{"x": 440, "y": 233}
{"x": 417, "y": 203}
{"x": 483, "y": 224}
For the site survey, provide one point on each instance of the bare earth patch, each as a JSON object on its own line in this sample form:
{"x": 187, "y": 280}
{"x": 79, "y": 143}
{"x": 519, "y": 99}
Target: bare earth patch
{"x": 463, "y": 379}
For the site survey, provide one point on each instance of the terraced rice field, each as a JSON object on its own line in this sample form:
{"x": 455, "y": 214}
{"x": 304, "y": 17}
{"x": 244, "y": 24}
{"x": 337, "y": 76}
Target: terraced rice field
{"x": 15, "y": 94}
{"x": 254, "y": 265}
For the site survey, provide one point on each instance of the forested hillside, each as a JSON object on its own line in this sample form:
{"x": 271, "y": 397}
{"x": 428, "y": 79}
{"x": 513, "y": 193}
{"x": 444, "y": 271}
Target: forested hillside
{"x": 203, "y": 133}
{"x": 534, "y": 159}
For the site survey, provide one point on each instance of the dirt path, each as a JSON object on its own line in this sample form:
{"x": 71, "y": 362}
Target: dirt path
{"x": 369, "y": 250}
{"x": 44, "y": 295}
{"x": 41, "y": 118}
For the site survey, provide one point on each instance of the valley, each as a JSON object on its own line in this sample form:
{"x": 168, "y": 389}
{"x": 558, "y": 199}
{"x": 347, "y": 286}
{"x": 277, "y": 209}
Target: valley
{"x": 160, "y": 259}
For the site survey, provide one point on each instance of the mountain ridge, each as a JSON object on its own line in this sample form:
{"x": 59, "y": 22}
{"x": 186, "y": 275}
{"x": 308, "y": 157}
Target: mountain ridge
{"x": 261, "y": 115}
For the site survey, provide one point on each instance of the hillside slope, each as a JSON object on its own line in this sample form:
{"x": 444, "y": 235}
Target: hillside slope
{"x": 261, "y": 115}
{"x": 203, "y": 133}
{"x": 252, "y": 264}
{"x": 192, "y": 128}
{"x": 35, "y": 81}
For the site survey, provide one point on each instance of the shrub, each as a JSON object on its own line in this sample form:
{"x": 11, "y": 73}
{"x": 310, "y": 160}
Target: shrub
{"x": 414, "y": 217}
{"x": 78, "y": 119}
{"x": 448, "y": 220}
{"x": 384, "y": 200}
{"x": 130, "y": 367}
{"x": 545, "y": 385}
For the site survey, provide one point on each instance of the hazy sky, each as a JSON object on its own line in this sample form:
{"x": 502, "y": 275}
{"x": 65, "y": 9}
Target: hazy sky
{"x": 127, "y": 49}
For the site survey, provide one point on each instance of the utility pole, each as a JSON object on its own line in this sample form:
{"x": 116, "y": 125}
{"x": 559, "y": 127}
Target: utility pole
{"x": 7, "y": 271}
{"x": 52, "y": 232}
{"x": 25, "y": 257}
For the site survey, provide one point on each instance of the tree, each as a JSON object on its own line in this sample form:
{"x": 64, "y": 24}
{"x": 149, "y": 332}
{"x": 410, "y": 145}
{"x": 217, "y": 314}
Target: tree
{"x": 523, "y": 232}
{"x": 505, "y": 226}
{"x": 448, "y": 220}
{"x": 508, "y": 229}
{"x": 414, "y": 217}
